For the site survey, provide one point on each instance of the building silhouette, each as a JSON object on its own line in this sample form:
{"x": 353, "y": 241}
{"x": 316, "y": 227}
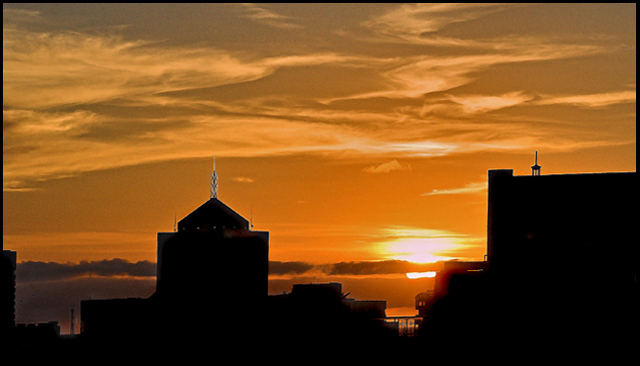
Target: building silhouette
{"x": 563, "y": 222}
{"x": 424, "y": 301}
{"x": 212, "y": 280}
{"x": 562, "y": 261}
{"x": 213, "y": 243}
{"x": 561, "y": 265}
{"x": 118, "y": 319}
{"x": 215, "y": 266}
{"x": 8, "y": 268}
{"x": 320, "y": 315}
{"x": 33, "y": 336}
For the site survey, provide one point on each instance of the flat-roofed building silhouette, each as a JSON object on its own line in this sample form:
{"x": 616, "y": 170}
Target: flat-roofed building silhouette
{"x": 320, "y": 314}
{"x": 562, "y": 263}
{"x": 564, "y": 223}
{"x": 8, "y": 268}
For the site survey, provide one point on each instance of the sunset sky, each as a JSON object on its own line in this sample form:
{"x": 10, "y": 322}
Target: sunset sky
{"x": 358, "y": 135}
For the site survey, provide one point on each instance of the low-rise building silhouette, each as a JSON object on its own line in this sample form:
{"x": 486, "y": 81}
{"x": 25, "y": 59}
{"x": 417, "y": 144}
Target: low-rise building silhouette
{"x": 424, "y": 301}
{"x": 319, "y": 313}
{"x": 8, "y": 278}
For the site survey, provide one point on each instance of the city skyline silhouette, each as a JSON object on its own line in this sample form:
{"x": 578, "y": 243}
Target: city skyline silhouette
{"x": 358, "y": 142}
{"x": 593, "y": 219}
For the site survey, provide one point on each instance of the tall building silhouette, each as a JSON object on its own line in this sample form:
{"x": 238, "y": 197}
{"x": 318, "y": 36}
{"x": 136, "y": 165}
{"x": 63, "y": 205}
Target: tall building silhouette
{"x": 214, "y": 265}
{"x": 212, "y": 277}
{"x": 216, "y": 258}
{"x": 563, "y": 222}
{"x": 562, "y": 263}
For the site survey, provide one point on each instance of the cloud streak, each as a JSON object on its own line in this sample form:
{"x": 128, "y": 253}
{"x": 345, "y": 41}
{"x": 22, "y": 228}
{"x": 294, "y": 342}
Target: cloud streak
{"x": 591, "y": 100}
{"x": 43, "y": 70}
{"x": 487, "y": 103}
{"x": 80, "y": 101}
{"x": 470, "y": 188}
{"x": 268, "y": 17}
{"x": 369, "y": 268}
{"x": 387, "y": 167}
{"x": 416, "y": 23}
{"x": 243, "y": 180}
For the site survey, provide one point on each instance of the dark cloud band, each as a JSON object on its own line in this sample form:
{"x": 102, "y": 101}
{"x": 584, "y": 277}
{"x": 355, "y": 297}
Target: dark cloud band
{"x": 32, "y": 271}
{"x": 50, "y": 271}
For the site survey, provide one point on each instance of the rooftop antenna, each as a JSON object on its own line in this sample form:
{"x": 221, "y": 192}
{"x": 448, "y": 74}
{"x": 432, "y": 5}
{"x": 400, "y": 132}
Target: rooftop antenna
{"x": 251, "y": 216}
{"x": 214, "y": 180}
{"x": 175, "y": 221}
{"x": 535, "y": 169}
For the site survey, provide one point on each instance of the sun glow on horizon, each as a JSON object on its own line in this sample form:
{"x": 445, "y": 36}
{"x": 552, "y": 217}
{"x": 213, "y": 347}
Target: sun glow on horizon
{"x": 421, "y": 245}
{"x": 416, "y": 275}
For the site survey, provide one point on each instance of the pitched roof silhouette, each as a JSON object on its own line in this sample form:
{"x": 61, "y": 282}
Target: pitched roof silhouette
{"x": 213, "y": 214}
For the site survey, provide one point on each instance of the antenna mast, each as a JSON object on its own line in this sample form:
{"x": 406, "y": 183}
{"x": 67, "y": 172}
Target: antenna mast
{"x": 535, "y": 169}
{"x": 214, "y": 180}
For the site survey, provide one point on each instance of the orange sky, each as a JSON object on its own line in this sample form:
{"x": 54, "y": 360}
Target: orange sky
{"x": 354, "y": 132}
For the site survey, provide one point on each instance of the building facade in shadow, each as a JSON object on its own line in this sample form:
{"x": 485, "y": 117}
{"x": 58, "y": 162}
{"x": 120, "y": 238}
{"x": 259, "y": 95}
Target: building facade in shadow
{"x": 213, "y": 265}
{"x": 212, "y": 281}
{"x": 563, "y": 223}
{"x": 319, "y": 315}
{"x": 562, "y": 262}
{"x": 8, "y": 269}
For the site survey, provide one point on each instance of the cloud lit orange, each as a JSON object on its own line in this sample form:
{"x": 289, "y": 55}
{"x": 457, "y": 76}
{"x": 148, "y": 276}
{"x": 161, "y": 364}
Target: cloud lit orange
{"x": 350, "y": 132}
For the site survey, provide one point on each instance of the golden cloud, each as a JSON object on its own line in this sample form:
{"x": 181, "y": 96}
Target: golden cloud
{"x": 386, "y": 167}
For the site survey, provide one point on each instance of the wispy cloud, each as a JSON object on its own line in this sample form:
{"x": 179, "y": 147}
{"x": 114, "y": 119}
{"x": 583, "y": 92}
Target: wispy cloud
{"x": 243, "y": 180}
{"x": 44, "y": 70}
{"x": 81, "y": 101}
{"x": 420, "y": 75}
{"x": 591, "y": 100}
{"x": 47, "y": 69}
{"x": 10, "y": 16}
{"x": 48, "y": 145}
{"x": 386, "y": 167}
{"x": 421, "y": 25}
{"x": 268, "y": 17}
{"x": 471, "y": 188}
{"x": 487, "y": 103}
{"x": 416, "y": 23}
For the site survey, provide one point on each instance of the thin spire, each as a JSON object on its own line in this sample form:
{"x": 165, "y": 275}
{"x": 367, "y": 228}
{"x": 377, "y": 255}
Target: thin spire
{"x": 535, "y": 169}
{"x": 214, "y": 180}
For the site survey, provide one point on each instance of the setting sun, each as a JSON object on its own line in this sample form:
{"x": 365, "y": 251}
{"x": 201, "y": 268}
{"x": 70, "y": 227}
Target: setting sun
{"x": 422, "y": 245}
{"x": 360, "y": 136}
{"x": 415, "y": 275}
